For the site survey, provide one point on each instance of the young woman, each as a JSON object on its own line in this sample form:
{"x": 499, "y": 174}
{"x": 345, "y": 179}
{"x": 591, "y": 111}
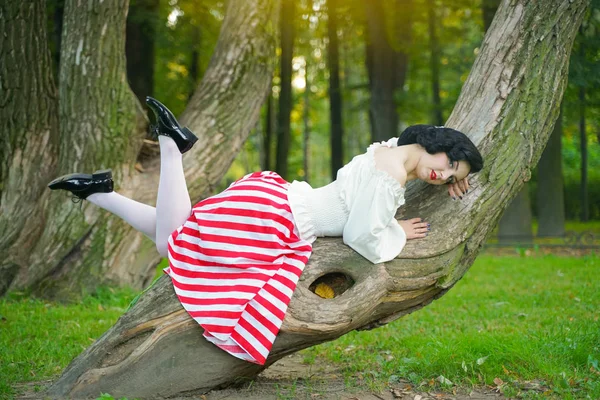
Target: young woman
{"x": 235, "y": 258}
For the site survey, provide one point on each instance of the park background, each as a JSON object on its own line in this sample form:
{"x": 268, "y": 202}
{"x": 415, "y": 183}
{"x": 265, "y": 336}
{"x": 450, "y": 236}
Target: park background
{"x": 541, "y": 308}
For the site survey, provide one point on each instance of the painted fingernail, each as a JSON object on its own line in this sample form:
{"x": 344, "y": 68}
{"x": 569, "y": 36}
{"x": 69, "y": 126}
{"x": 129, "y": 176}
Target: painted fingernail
{"x": 466, "y": 191}
{"x": 460, "y": 197}
{"x": 453, "y": 198}
{"x": 428, "y": 225}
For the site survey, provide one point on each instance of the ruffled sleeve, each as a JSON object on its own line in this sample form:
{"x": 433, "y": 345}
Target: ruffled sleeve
{"x": 372, "y": 200}
{"x": 372, "y": 229}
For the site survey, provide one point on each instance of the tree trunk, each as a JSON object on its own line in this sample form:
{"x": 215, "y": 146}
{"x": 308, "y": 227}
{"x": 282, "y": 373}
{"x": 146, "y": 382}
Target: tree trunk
{"x": 403, "y": 15}
{"x": 269, "y": 129}
{"x": 382, "y": 74}
{"x": 508, "y": 106}
{"x": 488, "y": 10}
{"x": 585, "y": 209}
{"x": 98, "y": 119}
{"x": 434, "y": 63}
{"x": 306, "y": 123}
{"x": 515, "y": 226}
{"x": 101, "y": 126}
{"x": 335, "y": 92}
{"x": 285, "y": 95}
{"x": 29, "y": 126}
{"x": 550, "y": 188}
{"x": 139, "y": 46}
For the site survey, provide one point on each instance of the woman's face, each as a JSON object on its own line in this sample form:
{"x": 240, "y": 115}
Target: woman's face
{"x": 438, "y": 169}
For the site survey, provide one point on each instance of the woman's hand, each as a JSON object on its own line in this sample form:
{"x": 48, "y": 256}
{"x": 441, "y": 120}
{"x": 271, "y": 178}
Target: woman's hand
{"x": 414, "y": 228}
{"x": 458, "y": 189}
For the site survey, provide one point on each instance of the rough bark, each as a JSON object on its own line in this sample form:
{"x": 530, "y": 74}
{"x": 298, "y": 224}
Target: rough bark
{"x": 285, "y": 95}
{"x": 508, "y": 106}
{"x": 101, "y": 127}
{"x": 98, "y": 119}
{"x": 550, "y": 186}
{"x": 29, "y": 129}
{"x": 335, "y": 91}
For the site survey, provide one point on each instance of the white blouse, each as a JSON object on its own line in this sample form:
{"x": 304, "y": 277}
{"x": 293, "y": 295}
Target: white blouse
{"x": 360, "y": 205}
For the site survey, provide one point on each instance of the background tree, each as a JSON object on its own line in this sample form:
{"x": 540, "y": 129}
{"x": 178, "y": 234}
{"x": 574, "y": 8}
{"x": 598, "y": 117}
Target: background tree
{"x": 72, "y": 249}
{"x": 29, "y": 125}
{"x": 434, "y": 53}
{"x": 510, "y": 131}
{"x": 140, "y": 36}
{"x": 381, "y": 62}
{"x": 550, "y": 196}
{"x": 285, "y": 95}
{"x": 335, "y": 92}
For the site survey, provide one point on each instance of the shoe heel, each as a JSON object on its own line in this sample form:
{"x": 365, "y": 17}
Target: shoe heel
{"x": 102, "y": 174}
{"x": 190, "y": 135}
{"x": 190, "y": 139}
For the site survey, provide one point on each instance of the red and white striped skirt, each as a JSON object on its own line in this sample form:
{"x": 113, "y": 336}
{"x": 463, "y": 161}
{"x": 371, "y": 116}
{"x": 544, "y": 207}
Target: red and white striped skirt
{"x": 235, "y": 264}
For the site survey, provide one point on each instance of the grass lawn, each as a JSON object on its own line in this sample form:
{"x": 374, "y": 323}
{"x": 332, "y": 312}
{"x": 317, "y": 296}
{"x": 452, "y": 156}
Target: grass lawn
{"x": 514, "y": 320}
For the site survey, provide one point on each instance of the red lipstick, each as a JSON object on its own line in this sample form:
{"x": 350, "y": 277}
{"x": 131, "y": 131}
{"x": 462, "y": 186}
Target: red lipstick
{"x": 433, "y": 175}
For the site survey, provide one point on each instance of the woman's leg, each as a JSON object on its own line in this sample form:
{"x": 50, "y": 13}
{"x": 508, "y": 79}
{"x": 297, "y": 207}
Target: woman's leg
{"x": 173, "y": 205}
{"x": 140, "y": 216}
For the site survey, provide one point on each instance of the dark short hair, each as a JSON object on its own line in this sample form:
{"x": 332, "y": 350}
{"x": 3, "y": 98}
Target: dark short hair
{"x": 439, "y": 139}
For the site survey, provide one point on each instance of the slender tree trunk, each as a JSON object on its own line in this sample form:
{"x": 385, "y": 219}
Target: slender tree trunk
{"x": 195, "y": 60}
{"x": 403, "y": 13}
{"x": 335, "y": 92}
{"x": 382, "y": 74}
{"x": 488, "y": 10}
{"x": 434, "y": 62}
{"x": 585, "y": 209}
{"x": 102, "y": 125}
{"x": 507, "y": 114}
{"x": 306, "y": 121}
{"x": 29, "y": 130}
{"x": 285, "y": 95}
{"x": 139, "y": 46}
{"x": 516, "y": 222}
{"x": 58, "y": 8}
{"x": 269, "y": 129}
{"x": 550, "y": 187}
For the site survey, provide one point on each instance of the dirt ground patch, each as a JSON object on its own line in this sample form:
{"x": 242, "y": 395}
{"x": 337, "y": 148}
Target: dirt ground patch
{"x": 290, "y": 378}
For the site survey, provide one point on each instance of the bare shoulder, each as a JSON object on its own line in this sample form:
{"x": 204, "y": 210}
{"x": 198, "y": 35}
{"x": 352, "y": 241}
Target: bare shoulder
{"x": 388, "y": 160}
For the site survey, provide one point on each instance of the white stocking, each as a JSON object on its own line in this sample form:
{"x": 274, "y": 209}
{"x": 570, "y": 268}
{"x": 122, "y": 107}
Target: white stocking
{"x": 173, "y": 205}
{"x": 140, "y": 216}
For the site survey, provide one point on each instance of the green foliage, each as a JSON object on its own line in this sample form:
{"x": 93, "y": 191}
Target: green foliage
{"x": 517, "y": 319}
{"x": 38, "y": 338}
{"x": 525, "y": 319}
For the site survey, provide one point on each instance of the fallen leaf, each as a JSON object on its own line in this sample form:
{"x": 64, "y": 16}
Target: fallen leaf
{"x": 397, "y": 394}
{"x": 325, "y": 291}
{"x": 418, "y": 397}
{"x": 139, "y": 167}
{"x": 442, "y": 379}
{"x": 498, "y": 381}
{"x": 481, "y": 360}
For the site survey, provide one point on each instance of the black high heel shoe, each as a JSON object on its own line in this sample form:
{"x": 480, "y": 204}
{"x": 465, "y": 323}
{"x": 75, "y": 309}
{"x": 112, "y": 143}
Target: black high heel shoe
{"x": 167, "y": 125}
{"x": 83, "y": 185}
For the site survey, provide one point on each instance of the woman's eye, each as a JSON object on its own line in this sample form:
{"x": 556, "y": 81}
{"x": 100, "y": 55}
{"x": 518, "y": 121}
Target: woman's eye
{"x": 451, "y": 164}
